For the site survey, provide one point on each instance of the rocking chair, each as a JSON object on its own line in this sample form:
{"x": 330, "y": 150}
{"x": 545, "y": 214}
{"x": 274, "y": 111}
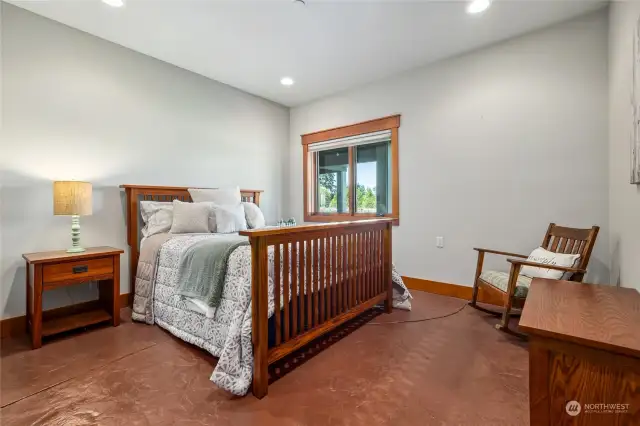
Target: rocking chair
{"x": 512, "y": 288}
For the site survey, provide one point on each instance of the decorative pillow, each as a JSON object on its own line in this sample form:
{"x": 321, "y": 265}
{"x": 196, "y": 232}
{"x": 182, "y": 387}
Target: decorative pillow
{"x": 190, "y": 217}
{"x": 230, "y": 218}
{"x": 157, "y": 217}
{"x": 546, "y": 257}
{"x": 222, "y": 197}
{"x": 254, "y": 216}
{"x": 212, "y": 217}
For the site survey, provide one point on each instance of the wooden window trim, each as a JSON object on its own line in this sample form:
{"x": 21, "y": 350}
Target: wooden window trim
{"x": 308, "y": 170}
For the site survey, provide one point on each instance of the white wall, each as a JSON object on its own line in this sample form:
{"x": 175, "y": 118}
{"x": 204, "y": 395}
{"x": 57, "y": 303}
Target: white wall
{"x": 624, "y": 198}
{"x": 494, "y": 145}
{"x": 79, "y": 107}
{"x": 2, "y": 289}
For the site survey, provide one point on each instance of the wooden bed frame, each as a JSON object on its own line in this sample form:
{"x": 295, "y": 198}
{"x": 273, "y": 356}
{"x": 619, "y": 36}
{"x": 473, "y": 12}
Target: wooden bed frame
{"x": 349, "y": 274}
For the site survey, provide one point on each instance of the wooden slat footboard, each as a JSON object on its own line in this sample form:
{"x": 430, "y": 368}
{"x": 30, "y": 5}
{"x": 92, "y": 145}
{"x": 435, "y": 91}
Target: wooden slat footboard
{"x": 329, "y": 272}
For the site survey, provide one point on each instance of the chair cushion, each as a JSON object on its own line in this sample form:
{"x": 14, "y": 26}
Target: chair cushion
{"x": 500, "y": 280}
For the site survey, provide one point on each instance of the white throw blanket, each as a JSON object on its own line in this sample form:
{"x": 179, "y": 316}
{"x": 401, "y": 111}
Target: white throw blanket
{"x": 228, "y": 334}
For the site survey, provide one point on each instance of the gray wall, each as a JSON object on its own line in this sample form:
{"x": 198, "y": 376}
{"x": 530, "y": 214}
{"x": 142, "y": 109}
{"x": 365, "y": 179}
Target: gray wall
{"x": 77, "y": 107}
{"x": 494, "y": 145}
{"x": 624, "y": 198}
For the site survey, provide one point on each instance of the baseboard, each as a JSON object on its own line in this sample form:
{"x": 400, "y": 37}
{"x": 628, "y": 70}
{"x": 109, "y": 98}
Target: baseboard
{"x": 451, "y": 290}
{"x": 126, "y": 299}
{"x": 17, "y": 326}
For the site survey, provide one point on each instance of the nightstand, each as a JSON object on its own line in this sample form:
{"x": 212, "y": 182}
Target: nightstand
{"x": 54, "y": 269}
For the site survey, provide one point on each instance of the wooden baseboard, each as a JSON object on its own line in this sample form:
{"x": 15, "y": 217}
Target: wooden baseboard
{"x": 17, "y": 326}
{"x": 451, "y": 290}
{"x": 126, "y": 299}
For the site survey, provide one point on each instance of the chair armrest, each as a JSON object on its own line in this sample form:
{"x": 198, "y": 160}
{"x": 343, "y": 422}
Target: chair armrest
{"x": 542, "y": 265}
{"x": 501, "y": 253}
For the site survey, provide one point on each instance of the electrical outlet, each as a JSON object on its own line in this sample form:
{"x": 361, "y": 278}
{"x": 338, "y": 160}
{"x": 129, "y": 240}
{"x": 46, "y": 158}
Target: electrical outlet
{"x": 440, "y": 242}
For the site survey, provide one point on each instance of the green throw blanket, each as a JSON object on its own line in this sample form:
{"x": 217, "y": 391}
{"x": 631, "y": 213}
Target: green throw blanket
{"x": 203, "y": 267}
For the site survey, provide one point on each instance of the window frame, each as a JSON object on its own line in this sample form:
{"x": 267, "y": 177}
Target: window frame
{"x": 309, "y": 165}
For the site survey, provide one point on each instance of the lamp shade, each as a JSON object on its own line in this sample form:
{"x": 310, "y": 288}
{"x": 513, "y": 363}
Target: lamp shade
{"x": 72, "y": 198}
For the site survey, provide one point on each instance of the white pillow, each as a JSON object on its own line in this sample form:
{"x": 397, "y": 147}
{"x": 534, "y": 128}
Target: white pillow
{"x": 222, "y": 197}
{"x": 157, "y": 217}
{"x": 230, "y": 218}
{"x": 212, "y": 217}
{"x": 254, "y": 216}
{"x": 541, "y": 255}
{"x": 190, "y": 217}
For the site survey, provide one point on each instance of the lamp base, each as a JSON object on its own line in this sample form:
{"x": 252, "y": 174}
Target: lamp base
{"x": 75, "y": 235}
{"x": 76, "y": 250}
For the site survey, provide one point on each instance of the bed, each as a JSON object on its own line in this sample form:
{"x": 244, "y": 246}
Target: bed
{"x": 327, "y": 275}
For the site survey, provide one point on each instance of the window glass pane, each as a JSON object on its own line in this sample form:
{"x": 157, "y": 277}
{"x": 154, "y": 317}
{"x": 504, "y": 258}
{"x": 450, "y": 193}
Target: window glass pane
{"x": 373, "y": 185}
{"x": 333, "y": 181}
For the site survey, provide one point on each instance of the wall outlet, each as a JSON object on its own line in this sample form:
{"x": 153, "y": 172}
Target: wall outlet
{"x": 439, "y": 242}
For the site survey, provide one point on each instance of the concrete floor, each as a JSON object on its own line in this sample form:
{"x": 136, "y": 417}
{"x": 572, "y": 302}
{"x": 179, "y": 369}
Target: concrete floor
{"x": 453, "y": 371}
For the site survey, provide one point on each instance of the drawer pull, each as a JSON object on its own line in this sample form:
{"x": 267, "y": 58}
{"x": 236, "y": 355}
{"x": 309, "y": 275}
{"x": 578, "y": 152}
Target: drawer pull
{"x": 80, "y": 269}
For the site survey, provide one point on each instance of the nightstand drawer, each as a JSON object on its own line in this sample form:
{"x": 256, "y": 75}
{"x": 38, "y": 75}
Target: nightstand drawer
{"x": 77, "y": 270}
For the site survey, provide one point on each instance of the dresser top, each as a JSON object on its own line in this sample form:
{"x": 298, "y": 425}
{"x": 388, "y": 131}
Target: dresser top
{"x": 62, "y": 255}
{"x": 599, "y": 316}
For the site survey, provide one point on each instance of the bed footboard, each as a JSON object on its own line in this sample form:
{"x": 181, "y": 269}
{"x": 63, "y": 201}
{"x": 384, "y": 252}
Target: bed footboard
{"x": 346, "y": 267}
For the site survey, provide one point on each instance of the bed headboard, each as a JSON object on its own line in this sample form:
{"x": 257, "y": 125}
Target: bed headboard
{"x": 136, "y": 193}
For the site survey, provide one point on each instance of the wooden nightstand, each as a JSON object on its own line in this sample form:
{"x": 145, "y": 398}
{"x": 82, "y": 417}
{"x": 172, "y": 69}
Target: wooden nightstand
{"x": 53, "y": 269}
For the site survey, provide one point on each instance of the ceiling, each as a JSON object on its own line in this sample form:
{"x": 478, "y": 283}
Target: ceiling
{"x": 325, "y": 46}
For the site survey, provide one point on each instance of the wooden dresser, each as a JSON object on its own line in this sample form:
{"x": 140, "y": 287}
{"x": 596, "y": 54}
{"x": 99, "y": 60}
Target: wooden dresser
{"x": 584, "y": 353}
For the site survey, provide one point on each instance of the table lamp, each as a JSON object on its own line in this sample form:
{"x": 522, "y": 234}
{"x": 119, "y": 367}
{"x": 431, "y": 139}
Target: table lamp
{"x": 71, "y": 198}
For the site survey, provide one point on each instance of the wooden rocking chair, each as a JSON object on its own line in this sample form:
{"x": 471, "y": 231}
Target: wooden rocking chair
{"x": 512, "y": 288}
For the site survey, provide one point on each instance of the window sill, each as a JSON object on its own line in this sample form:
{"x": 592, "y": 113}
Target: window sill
{"x": 344, "y": 217}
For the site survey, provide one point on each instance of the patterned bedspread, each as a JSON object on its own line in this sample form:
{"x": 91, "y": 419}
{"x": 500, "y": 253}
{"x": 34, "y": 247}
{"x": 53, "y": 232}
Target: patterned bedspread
{"x": 228, "y": 334}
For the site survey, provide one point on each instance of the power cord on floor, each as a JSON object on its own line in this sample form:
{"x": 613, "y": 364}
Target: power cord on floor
{"x": 420, "y": 320}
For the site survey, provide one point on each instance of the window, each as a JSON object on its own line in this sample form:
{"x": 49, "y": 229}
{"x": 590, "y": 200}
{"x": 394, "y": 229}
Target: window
{"x": 351, "y": 172}
{"x": 332, "y": 180}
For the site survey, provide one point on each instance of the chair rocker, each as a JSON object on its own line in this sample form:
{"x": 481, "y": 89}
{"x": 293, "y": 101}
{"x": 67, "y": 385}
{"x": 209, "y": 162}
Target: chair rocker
{"x": 512, "y": 288}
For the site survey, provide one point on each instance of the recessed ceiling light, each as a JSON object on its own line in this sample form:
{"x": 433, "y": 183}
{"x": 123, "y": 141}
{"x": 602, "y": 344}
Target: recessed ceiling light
{"x": 286, "y": 81}
{"x": 114, "y": 3}
{"x": 478, "y": 6}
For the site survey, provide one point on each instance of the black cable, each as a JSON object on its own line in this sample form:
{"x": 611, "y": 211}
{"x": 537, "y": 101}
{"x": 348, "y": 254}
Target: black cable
{"x": 419, "y": 320}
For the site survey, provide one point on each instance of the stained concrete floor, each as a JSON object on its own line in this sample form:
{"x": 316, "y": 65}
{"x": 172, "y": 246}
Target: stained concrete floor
{"x": 453, "y": 371}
